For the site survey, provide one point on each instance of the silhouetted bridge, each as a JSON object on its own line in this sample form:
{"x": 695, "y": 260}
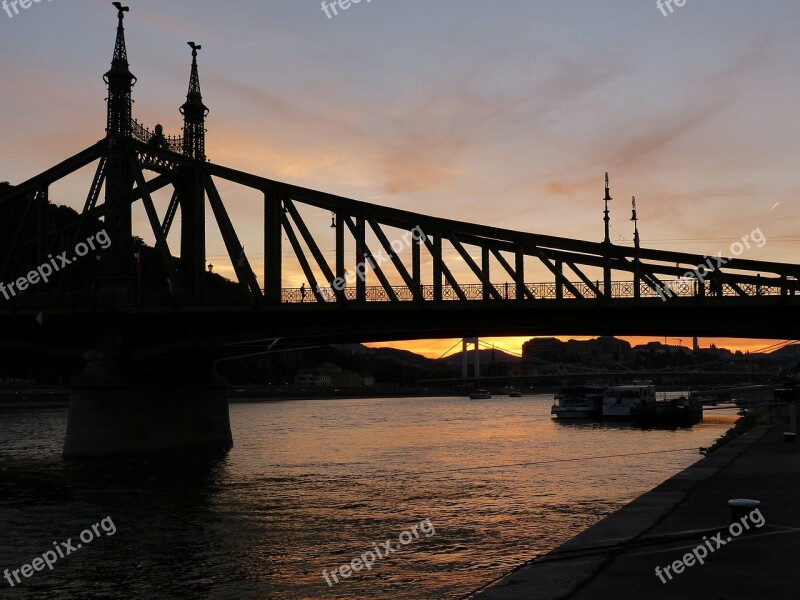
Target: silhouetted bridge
{"x": 588, "y": 293}
{"x": 395, "y": 274}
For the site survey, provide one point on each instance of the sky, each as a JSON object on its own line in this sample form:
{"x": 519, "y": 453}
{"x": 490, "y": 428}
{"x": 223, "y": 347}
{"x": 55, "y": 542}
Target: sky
{"x": 501, "y": 113}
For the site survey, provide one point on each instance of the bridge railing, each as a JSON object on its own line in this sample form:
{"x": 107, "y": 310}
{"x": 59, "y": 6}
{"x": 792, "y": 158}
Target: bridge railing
{"x": 543, "y": 291}
{"x": 76, "y": 301}
{"x": 144, "y": 135}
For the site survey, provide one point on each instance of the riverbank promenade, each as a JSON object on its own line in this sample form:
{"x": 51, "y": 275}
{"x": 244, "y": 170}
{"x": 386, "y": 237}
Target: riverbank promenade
{"x": 684, "y": 528}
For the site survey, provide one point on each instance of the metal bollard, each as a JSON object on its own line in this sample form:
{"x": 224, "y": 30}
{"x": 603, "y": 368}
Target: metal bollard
{"x": 741, "y": 507}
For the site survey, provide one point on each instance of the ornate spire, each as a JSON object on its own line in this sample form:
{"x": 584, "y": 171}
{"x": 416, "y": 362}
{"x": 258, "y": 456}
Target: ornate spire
{"x": 606, "y": 218}
{"x": 120, "y": 83}
{"x": 194, "y": 114}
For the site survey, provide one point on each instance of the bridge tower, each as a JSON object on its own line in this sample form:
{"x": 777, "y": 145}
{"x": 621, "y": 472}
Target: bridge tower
{"x": 192, "y": 196}
{"x": 194, "y": 114}
{"x": 118, "y": 265}
{"x": 465, "y": 343}
{"x": 123, "y": 405}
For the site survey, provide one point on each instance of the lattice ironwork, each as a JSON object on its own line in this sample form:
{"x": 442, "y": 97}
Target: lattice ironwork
{"x": 173, "y": 143}
{"x": 495, "y": 258}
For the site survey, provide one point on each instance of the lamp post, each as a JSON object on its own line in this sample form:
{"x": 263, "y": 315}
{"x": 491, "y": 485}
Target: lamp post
{"x": 607, "y": 245}
{"x": 634, "y": 218}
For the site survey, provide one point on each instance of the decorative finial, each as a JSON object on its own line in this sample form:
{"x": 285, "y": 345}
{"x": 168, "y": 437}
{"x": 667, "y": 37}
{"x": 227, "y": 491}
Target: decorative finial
{"x": 121, "y": 10}
{"x": 608, "y": 189}
{"x": 194, "y": 113}
{"x": 119, "y": 80}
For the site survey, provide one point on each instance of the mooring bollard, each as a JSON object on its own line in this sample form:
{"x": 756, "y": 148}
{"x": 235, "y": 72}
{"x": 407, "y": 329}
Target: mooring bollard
{"x": 740, "y": 507}
{"x": 789, "y": 436}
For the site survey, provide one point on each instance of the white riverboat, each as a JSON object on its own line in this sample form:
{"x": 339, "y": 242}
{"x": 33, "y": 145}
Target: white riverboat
{"x": 578, "y": 402}
{"x": 619, "y": 399}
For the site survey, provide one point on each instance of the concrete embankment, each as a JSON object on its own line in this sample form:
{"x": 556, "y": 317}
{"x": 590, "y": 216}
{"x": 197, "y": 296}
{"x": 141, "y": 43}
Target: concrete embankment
{"x": 617, "y": 558}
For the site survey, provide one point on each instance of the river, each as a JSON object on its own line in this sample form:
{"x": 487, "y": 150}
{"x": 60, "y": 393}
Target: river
{"x": 311, "y": 485}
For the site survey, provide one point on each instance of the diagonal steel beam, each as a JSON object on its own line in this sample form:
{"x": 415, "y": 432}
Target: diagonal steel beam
{"x": 585, "y": 279}
{"x": 398, "y": 264}
{"x": 301, "y": 257}
{"x": 309, "y": 240}
{"x": 445, "y": 271}
{"x": 647, "y": 274}
{"x": 558, "y": 274}
{"x": 61, "y": 170}
{"x": 235, "y": 250}
{"x": 504, "y": 263}
{"x": 367, "y": 258}
{"x": 97, "y": 184}
{"x": 161, "y": 247}
{"x": 170, "y": 214}
{"x": 487, "y": 285}
{"x": 88, "y": 207}
{"x": 735, "y": 286}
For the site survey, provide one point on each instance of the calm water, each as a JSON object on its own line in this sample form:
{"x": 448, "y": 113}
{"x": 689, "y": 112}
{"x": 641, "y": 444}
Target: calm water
{"x": 311, "y": 485}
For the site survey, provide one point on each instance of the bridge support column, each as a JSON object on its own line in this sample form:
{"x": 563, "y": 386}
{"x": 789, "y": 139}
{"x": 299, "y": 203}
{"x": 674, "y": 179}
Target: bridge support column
{"x": 437, "y": 267}
{"x": 361, "y": 258}
{"x": 137, "y": 412}
{"x": 416, "y": 269}
{"x": 560, "y": 280}
{"x": 485, "y": 269}
{"x": 340, "y": 267}
{"x": 273, "y": 232}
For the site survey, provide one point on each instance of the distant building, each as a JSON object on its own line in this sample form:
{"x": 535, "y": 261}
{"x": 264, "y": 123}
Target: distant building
{"x": 538, "y": 346}
{"x": 306, "y": 379}
{"x": 328, "y": 375}
{"x": 602, "y": 352}
{"x": 654, "y": 347}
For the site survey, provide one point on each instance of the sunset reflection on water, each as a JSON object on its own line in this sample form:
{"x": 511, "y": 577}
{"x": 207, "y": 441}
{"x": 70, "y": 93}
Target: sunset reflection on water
{"x": 311, "y": 485}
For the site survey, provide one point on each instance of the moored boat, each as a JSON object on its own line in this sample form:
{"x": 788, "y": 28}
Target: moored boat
{"x": 578, "y": 402}
{"x": 480, "y": 395}
{"x": 618, "y": 400}
{"x": 675, "y": 412}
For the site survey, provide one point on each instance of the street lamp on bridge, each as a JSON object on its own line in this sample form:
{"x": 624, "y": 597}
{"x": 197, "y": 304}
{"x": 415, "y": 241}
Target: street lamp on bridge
{"x": 636, "y": 291}
{"x": 607, "y": 243}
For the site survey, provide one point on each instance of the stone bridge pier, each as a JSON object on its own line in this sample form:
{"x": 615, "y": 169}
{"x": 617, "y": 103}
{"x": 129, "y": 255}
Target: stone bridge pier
{"x": 120, "y": 408}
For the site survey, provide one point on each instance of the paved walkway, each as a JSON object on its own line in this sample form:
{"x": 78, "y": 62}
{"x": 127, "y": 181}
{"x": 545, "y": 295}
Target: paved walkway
{"x": 617, "y": 557}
